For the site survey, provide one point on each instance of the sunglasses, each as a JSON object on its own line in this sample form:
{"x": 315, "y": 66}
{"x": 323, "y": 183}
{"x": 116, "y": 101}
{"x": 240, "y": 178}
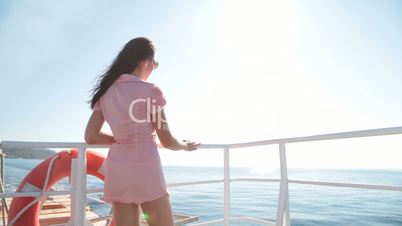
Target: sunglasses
{"x": 155, "y": 63}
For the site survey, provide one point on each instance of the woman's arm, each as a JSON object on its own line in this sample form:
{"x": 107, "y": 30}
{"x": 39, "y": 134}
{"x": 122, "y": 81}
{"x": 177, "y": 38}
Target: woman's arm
{"x": 93, "y": 135}
{"x": 166, "y": 138}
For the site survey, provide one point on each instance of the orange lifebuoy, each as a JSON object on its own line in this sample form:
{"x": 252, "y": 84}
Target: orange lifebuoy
{"x": 35, "y": 180}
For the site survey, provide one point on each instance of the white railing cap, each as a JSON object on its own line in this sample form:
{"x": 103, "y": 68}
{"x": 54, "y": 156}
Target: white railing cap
{"x": 331, "y": 136}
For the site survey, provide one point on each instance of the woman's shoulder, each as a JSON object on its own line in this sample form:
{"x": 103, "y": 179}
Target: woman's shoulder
{"x": 152, "y": 86}
{"x": 155, "y": 92}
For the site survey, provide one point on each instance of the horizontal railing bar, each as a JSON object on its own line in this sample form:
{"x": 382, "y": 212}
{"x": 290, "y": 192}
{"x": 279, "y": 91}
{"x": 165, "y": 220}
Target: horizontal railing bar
{"x": 177, "y": 184}
{"x": 45, "y": 193}
{"x": 93, "y": 220}
{"x": 322, "y": 137}
{"x": 252, "y": 219}
{"x": 213, "y": 146}
{"x": 349, "y": 185}
{"x": 238, "y": 218}
{"x": 208, "y": 222}
{"x": 43, "y": 144}
{"x": 256, "y": 179}
{"x": 331, "y": 136}
{"x": 327, "y": 183}
{"x": 95, "y": 190}
{"x": 206, "y": 146}
{"x": 34, "y": 194}
{"x": 97, "y": 200}
{"x": 99, "y": 219}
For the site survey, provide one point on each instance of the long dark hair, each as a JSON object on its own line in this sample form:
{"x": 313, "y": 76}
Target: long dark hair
{"x": 133, "y": 52}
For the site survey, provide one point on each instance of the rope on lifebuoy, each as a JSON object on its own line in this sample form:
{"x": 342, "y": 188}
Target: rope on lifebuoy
{"x": 22, "y": 211}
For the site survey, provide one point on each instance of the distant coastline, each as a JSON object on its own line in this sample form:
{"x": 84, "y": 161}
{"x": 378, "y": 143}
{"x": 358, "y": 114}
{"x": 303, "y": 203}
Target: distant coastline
{"x": 28, "y": 153}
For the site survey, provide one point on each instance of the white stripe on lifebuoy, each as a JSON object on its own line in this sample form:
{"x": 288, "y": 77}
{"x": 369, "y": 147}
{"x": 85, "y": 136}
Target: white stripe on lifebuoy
{"x": 30, "y": 188}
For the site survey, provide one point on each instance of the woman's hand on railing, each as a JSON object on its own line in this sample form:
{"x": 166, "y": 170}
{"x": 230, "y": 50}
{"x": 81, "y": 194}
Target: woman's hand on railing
{"x": 190, "y": 145}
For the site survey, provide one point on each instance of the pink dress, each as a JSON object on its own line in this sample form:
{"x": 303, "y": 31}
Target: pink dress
{"x": 133, "y": 170}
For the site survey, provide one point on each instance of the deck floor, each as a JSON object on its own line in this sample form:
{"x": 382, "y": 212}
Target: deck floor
{"x": 56, "y": 211}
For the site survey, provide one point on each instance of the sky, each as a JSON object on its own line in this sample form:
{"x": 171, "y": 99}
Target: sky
{"x": 231, "y": 71}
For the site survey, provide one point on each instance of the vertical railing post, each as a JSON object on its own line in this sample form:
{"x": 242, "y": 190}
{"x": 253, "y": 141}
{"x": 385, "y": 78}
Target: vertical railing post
{"x": 80, "y": 184}
{"x": 226, "y": 184}
{"x": 283, "y": 214}
{"x": 73, "y": 200}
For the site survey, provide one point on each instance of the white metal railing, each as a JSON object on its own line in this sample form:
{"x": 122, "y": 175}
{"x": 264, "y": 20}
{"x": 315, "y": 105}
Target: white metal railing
{"x": 79, "y": 190}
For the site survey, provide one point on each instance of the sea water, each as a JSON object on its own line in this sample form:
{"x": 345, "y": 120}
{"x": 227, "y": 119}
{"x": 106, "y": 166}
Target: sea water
{"x": 310, "y": 205}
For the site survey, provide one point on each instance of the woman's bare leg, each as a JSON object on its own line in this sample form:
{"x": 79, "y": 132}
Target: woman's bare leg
{"x": 126, "y": 214}
{"x": 158, "y": 212}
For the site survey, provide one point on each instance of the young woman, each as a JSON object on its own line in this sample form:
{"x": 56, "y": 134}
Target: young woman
{"x": 134, "y": 110}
